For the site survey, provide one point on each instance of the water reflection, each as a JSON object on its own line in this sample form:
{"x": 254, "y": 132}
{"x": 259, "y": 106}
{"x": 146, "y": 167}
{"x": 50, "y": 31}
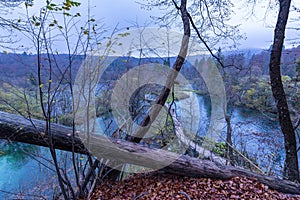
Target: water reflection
{"x": 253, "y": 133}
{"x": 22, "y": 172}
{"x": 17, "y": 154}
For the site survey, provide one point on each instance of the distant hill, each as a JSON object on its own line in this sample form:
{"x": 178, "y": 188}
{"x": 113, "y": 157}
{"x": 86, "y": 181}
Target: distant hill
{"x": 21, "y": 69}
{"x": 247, "y": 51}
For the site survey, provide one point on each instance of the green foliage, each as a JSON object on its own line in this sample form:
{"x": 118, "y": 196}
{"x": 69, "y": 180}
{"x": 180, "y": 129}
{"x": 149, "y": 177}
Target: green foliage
{"x": 18, "y": 100}
{"x": 163, "y": 134}
{"x": 208, "y": 144}
{"x": 66, "y": 6}
{"x": 286, "y": 79}
{"x": 55, "y": 9}
{"x": 171, "y": 98}
{"x": 28, "y": 4}
{"x": 256, "y": 93}
{"x": 66, "y": 119}
{"x": 298, "y": 66}
{"x": 103, "y": 103}
{"x": 291, "y": 87}
{"x": 220, "y": 149}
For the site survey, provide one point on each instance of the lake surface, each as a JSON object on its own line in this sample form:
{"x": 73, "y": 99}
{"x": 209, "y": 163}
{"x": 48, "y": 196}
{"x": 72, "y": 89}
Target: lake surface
{"x": 24, "y": 169}
{"x": 252, "y": 132}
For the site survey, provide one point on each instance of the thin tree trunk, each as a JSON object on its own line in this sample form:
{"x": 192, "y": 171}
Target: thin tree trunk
{"x": 145, "y": 125}
{"x": 162, "y": 98}
{"x": 291, "y": 162}
{"x": 229, "y": 150}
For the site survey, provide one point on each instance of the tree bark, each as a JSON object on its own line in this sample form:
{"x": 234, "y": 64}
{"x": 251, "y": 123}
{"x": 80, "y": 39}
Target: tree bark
{"x": 162, "y": 98}
{"x": 16, "y": 128}
{"x": 229, "y": 150}
{"x": 291, "y": 167}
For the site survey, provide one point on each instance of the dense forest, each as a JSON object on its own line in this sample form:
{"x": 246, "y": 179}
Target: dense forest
{"x": 250, "y": 85}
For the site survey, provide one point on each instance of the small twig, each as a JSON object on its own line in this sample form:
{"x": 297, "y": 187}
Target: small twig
{"x": 204, "y": 42}
{"x": 110, "y": 170}
{"x": 244, "y": 157}
{"x": 91, "y": 190}
{"x": 185, "y": 194}
{"x": 141, "y": 195}
{"x": 297, "y": 123}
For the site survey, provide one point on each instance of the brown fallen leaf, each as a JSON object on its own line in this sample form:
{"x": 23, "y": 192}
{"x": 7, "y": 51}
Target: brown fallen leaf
{"x": 159, "y": 186}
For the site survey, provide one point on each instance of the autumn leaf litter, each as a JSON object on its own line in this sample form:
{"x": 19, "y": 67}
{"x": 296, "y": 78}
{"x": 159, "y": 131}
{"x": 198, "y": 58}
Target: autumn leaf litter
{"x": 152, "y": 186}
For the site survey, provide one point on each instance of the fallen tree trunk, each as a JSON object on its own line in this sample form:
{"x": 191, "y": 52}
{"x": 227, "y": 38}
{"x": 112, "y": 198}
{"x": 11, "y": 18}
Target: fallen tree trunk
{"x": 19, "y": 129}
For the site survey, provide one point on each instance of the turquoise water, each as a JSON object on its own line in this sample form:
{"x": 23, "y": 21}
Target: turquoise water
{"x": 25, "y": 170}
{"x": 253, "y": 132}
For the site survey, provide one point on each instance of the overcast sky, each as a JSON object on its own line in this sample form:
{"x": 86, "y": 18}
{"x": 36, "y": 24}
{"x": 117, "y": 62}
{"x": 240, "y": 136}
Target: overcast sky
{"x": 257, "y": 28}
{"x": 125, "y": 13}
